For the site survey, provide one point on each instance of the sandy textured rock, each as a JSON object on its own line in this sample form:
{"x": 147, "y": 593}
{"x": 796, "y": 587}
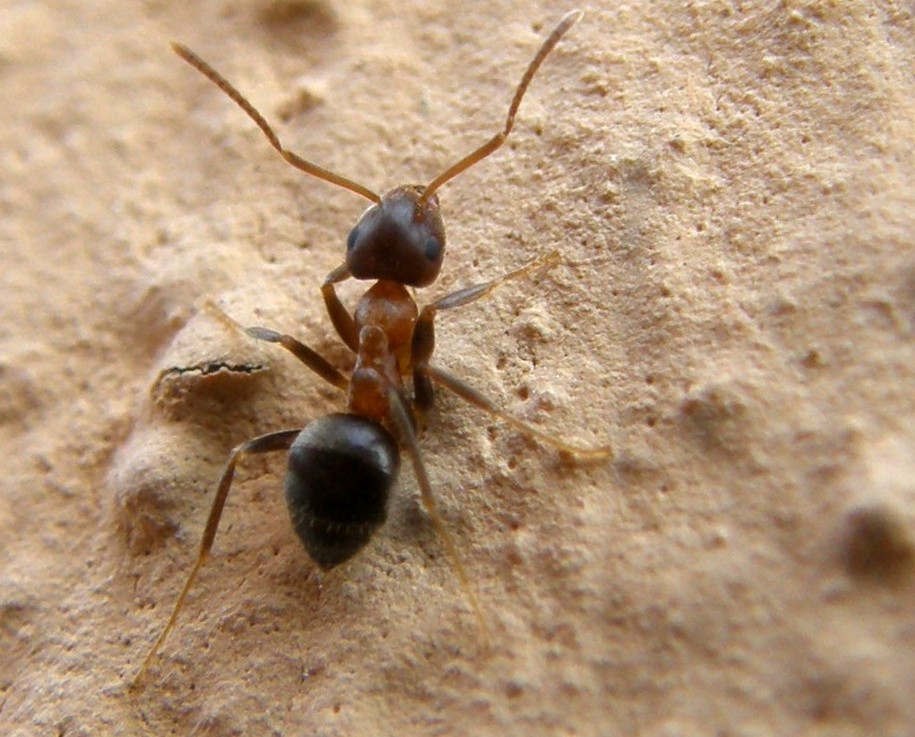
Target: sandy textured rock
{"x": 732, "y": 189}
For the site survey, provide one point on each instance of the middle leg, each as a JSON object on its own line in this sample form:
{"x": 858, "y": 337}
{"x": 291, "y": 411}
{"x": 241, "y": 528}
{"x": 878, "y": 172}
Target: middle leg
{"x": 310, "y": 357}
{"x": 424, "y": 333}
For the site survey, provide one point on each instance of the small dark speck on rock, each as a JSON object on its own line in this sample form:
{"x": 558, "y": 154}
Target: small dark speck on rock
{"x": 875, "y": 544}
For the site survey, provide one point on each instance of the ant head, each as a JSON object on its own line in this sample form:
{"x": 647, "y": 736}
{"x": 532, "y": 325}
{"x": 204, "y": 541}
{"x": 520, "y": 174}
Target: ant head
{"x": 402, "y": 239}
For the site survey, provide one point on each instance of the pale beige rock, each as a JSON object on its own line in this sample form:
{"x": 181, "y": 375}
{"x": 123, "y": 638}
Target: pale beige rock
{"x": 732, "y": 187}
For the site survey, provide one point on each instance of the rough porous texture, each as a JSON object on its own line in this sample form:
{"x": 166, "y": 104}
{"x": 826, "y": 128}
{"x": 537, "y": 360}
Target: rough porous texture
{"x": 732, "y": 189}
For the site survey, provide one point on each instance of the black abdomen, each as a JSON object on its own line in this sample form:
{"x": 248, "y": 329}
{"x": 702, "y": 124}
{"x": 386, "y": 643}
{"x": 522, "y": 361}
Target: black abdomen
{"x": 341, "y": 469}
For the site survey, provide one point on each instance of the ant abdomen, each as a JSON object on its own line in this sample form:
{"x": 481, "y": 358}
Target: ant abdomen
{"x": 341, "y": 470}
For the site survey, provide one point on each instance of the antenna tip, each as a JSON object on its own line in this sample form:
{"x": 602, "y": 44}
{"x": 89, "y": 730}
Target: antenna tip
{"x": 183, "y": 51}
{"x": 572, "y": 17}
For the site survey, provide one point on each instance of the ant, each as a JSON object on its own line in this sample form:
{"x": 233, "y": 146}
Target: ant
{"x": 342, "y": 466}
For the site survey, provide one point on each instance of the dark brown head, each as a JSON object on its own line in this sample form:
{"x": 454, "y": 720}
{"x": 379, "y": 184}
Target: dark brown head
{"x": 398, "y": 239}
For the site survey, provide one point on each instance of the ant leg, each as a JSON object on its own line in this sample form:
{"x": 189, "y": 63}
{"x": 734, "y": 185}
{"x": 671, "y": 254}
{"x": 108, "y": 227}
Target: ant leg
{"x": 471, "y": 395}
{"x": 339, "y": 316}
{"x": 263, "y": 444}
{"x": 472, "y": 294}
{"x": 401, "y": 418}
{"x": 424, "y": 332}
{"x": 311, "y": 358}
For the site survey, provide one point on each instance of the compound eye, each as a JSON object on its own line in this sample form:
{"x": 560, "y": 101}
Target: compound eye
{"x": 351, "y": 239}
{"x": 433, "y": 249}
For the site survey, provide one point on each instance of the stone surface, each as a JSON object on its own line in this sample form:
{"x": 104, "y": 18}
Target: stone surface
{"x": 732, "y": 190}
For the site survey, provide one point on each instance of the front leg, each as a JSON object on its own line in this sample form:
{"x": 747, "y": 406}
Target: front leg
{"x": 339, "y": 316}
{"x": 423, "y": 347}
